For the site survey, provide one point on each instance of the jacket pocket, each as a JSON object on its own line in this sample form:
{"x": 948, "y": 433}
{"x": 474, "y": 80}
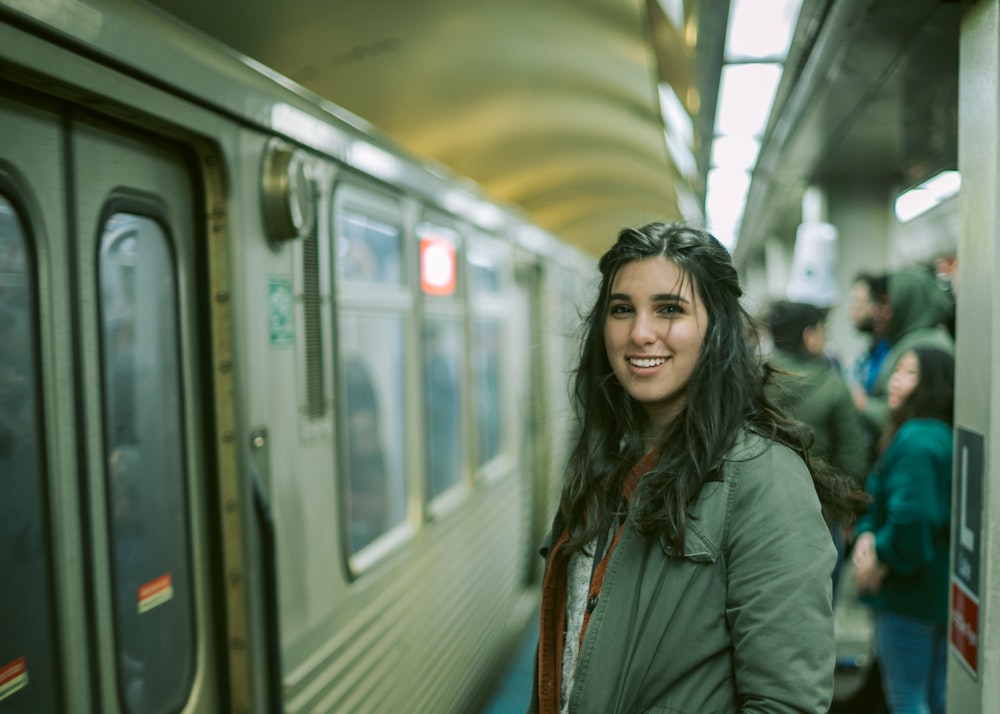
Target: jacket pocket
{"x": 705, "y": 526}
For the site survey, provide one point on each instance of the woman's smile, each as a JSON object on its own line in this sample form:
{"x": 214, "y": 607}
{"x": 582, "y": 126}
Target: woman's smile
{"x": 646, "y": 367}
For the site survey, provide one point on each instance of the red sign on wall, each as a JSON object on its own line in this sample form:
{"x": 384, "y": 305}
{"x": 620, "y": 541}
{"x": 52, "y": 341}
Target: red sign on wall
{"x": 965, "y": 626}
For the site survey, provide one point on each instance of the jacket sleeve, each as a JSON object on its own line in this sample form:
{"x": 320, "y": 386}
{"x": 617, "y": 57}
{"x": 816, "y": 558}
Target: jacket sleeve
{"x": 779, "y": 560}
{"x": 905, "y": 542}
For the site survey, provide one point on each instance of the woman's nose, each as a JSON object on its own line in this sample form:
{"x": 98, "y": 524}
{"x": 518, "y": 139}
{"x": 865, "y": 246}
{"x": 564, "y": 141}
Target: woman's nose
{"x": 642, "y": 329}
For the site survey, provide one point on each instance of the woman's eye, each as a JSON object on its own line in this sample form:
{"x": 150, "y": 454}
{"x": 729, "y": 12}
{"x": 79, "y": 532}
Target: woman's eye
{"x": 672, "y": 309}
{"x": 620, "y": 309}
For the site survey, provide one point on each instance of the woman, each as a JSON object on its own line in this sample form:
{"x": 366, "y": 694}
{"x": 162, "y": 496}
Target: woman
{"x": 901, "y": 554}
{"x": 689, "y": 564}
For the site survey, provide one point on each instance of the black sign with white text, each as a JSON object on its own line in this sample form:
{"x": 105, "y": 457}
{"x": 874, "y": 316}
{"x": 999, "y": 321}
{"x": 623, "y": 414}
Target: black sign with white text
{"x": 967, "y": 513}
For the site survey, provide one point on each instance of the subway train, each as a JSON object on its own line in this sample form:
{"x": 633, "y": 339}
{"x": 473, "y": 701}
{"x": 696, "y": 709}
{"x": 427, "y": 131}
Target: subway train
{"x": 282, "y": 409}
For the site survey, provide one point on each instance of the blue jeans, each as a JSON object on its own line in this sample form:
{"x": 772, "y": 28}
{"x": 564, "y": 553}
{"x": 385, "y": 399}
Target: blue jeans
{"x": 913, "y": 656}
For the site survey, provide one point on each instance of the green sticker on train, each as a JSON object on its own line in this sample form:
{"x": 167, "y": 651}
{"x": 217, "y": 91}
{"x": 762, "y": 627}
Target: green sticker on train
{"x": 281, "y": 312}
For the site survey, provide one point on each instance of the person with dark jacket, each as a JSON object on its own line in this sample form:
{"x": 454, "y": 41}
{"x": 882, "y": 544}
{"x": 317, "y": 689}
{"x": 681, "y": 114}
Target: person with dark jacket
{"x": 811, "y": 389}
{"x": 868, "y": 311}
{"x": 688, "y": 567}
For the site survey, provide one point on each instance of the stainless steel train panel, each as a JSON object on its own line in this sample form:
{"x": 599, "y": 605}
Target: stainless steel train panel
{"x": 180, "y": 343}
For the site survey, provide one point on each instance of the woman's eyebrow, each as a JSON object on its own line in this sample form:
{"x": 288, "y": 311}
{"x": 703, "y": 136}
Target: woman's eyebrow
{"x": 669, "y": 297}
{"x": 658, "y": 297}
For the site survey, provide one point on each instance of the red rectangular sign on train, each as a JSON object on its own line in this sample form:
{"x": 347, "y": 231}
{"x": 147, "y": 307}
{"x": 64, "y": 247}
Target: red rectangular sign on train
{"x": 965, "y": 626}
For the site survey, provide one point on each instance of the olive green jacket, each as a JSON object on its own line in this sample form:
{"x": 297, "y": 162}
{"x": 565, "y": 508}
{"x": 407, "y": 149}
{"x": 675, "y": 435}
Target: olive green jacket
{"x": 742, "y": 621}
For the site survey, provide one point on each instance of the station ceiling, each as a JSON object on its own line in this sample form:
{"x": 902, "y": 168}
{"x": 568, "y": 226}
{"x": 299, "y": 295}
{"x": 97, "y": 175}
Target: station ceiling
{"x": 868, "y": 102}
{"x": 550, "y": 105}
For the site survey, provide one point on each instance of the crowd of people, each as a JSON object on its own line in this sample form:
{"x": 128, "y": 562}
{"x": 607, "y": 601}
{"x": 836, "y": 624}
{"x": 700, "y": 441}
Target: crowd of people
{"x": 716, "y": 488}
{"x": 899, "y": 394}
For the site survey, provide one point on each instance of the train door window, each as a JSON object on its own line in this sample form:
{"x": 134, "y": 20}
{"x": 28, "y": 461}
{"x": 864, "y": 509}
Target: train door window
{"x": 444, "y": 354}
{"x": 373, "y": 299}
{"x": 27, "y": 648}
{"x": 145, "y": 458}
{"x": 369, "y": 249}
{"x": 489, "y": 268}
{"x": 373, "y": 419}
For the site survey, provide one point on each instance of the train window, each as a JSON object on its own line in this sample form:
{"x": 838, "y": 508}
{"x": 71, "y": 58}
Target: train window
{"x": 443, "y": 433}
{"x": 485, "y": 272}
{"x": 442, "y": 340}
{"x": 487, "y": 340}
{"x": 27, "y": 647}
{"x": 371, "y": 348}
{"x": 490, "y": 263}
{"x": 145, "y": 459}
{"x": 369, "y": 250}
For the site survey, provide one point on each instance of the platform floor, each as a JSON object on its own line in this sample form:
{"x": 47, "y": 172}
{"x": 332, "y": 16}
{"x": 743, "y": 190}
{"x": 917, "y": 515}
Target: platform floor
{"x": 853, "y": 691}
{"x": 514, "y": 688}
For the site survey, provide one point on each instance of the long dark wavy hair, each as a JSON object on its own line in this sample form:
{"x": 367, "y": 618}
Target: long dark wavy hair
{"x": 933, "y": 396}
{"x": 724, "y": 397}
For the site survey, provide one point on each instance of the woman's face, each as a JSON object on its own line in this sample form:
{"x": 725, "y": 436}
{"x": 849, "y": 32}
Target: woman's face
{"x": 904, "y": 378}
{"x": 653, "y": 334}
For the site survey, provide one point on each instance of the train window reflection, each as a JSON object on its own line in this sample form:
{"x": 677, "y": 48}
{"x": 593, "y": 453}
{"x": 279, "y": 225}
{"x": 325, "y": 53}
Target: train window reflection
{"x": 490, "y": 262}
{"x": 442, "y": 353}
{"x": 485, "y": 273}
{"x": 486, "y": 278}
{"x": 486, "y": 367}
{"x": 368, "y": 250}
{"x": 27, "y": 648}
{"x": 372, "y": 416}
{"x": 147, "y": 504}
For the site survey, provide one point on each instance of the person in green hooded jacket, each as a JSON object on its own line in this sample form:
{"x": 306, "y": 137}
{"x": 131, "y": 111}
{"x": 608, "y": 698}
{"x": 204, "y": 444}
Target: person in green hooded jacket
{"x": 918, "y": 311}
{"x": 688, "y": 566}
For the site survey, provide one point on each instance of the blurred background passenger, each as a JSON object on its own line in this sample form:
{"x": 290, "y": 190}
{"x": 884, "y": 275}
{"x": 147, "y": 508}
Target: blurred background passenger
{"x": 901, "y": 556}
{"x": 917, "y": 311}
{"x": 813, "y": 391}
{"x": 868, "y": 312}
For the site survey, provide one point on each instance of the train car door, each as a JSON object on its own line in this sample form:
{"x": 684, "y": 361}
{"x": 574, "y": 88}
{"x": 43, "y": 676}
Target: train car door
{"x": 105, "y": 602}
{"x": 137, "y": 262}
{"x": 32, "y": 673}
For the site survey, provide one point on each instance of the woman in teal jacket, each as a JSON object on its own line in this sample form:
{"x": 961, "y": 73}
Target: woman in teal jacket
{"x": 688, "y": 568}
{"x": 901, "y": 554}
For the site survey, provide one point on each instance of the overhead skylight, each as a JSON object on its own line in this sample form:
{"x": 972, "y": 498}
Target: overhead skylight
{"x": 757, "y": 41}
{"x": 760, "y": 29}
{"x": 737, "y": 152}
{"x": 746, "y": 92}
